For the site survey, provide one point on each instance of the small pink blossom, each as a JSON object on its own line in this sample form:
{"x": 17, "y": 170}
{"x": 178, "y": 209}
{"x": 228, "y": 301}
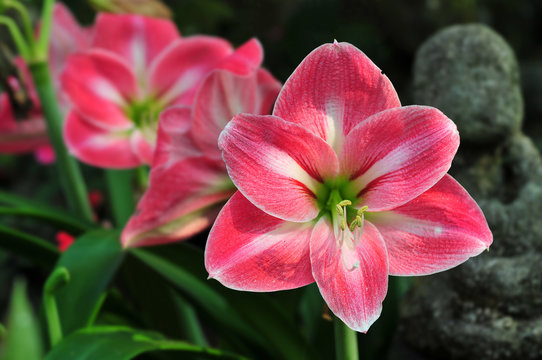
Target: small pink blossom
{"x": 189, "y": 183}
{"x": 64, "y": 240}
{"x": 341, "y": 186}
{"x": 136, "y": 67}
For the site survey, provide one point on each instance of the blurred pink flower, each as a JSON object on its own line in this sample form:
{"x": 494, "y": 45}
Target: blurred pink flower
{"x": 64, "y": 240}
{"x": 136, "y": 67}
{"x": 188, "y": 181}
{"x": 30, "y": 133}
{"x": 341, "y": 186}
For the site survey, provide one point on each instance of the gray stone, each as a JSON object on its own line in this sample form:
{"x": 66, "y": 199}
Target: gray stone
{"x": 471, "y": 74}
{"x": 491, "y": 306}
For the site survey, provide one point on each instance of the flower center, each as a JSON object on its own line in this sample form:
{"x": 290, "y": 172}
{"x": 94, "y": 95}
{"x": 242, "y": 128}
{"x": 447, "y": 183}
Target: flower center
{"x": 144, "y": 113}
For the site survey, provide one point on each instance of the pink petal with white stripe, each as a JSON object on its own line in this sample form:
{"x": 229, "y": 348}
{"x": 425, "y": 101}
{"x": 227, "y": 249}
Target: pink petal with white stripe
{"x": 224, "y": 95}
{"x": 137, "y": 39}
{"x": 277, "y": 165}
{"x": 353, "y": 279}
{"x": 174, "y": 142}
{"x": 67, "y": 37}
{"x": 99, "y": 85}
{"x": 250, "y": 250}
{"x": 99, "y": 147}
{"x": 436, "y": 231}
{"x": 182, "y": 199}
{"x": 397, "y": 154}
{"x": 245, "y": 59}
{"x": 142, "y": 146}
{"x": 335, "y": 88}
{"x": 176, "y": 74}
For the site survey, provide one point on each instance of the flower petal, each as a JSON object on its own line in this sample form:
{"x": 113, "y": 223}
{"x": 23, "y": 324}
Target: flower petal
{"x": 277, "y": 165}
{"x": 247, "y": 58}
{"x": 182, "y": 199}
{"x": 224, "y": 95}
{"x": 98, "y": 84}
{"x": 142, "y": 147}
{"x": 174, "y": 142}
{"x": 67, "y": 37}
{"x": 398, "y": 154}
{"x": 436, "y": 231}
{"x": 250, "y": 250}
{"x": 99, "y": 147}
{"x": 20, "y": 136}
{"x": 178, "y": 71}
{"x": 45, "y": 154}
{"x": 352, "y": 280}
{"x": 335, "y": 88}
{"x": 136, "y": 39}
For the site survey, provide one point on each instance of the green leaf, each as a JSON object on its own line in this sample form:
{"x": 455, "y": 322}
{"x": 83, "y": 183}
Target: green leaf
{"x": 252, "y": 316}
{"x": 120, "y": 343}
{"x": 33, "y": 248}
{"x": 20, "y": 206}
{"x": 92, "y": 261}
{"x": 194, "y": 288}
{"x": 143, "y": 287}
{"x": 61, "y": 221}
{"x": 23, "y": 341}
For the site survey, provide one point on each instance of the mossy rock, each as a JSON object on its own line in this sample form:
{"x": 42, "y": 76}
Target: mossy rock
{"x": 471, "y": 74}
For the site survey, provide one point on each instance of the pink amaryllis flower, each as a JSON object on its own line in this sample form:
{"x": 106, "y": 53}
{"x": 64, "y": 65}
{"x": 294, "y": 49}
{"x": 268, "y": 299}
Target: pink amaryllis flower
{"x": 28, "y": 133}
{"x": 189, "y": 183}
{"x": 137, "y": 67}
{"x": 343, "y": 187}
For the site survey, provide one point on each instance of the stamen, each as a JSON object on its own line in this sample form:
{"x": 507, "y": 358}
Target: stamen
{"x": 339, "y": 210}
{"x": 362, "y": 209}
{"x": 345, "y": 203}
{"x": 356, "y": 222}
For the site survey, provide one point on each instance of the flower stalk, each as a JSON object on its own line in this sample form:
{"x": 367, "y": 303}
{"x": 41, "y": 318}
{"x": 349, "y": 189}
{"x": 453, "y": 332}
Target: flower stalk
{"x": 70, "y": 173}
{"x": 119, "y": 183}
{"x": 35, "y": 52}
{"x": 346, "y": 341}
{"x": 58, "y": 278}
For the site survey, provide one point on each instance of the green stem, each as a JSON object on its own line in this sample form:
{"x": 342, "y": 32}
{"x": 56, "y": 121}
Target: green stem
{"x": 58, "y": 278}
{"x": 53, "y": 320}
{"x": 18, "y": 38}
{"x": 70, "y": 174}
{"x": 346, "y": 341}
{"x": 142, "y": 173}
{"x": 42, "y": 46}
{"x": 121, "y": 194}
{"x": 25, "y": 20}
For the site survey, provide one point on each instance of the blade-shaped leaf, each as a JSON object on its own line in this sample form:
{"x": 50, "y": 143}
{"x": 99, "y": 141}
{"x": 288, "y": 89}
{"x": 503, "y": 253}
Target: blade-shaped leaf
{"x": 20, "y": 206}
{"x": 211, "y": 302}
{"x": 92, "y": 261}
{"x": 122, "y": 343}
{"x": 23, "y": 341}
{"x": 68, "y": 223}
{"x": 237, "y": 311}
{"x": 33, "y": 248}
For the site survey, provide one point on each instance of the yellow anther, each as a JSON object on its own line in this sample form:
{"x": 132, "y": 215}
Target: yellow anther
{"x": 343, "y": 223}
{"x": 362, "y": 209}
{"x": 345, "y": 203}
{"x": 340, "y": 210}
{"x": 358, "y": 221}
